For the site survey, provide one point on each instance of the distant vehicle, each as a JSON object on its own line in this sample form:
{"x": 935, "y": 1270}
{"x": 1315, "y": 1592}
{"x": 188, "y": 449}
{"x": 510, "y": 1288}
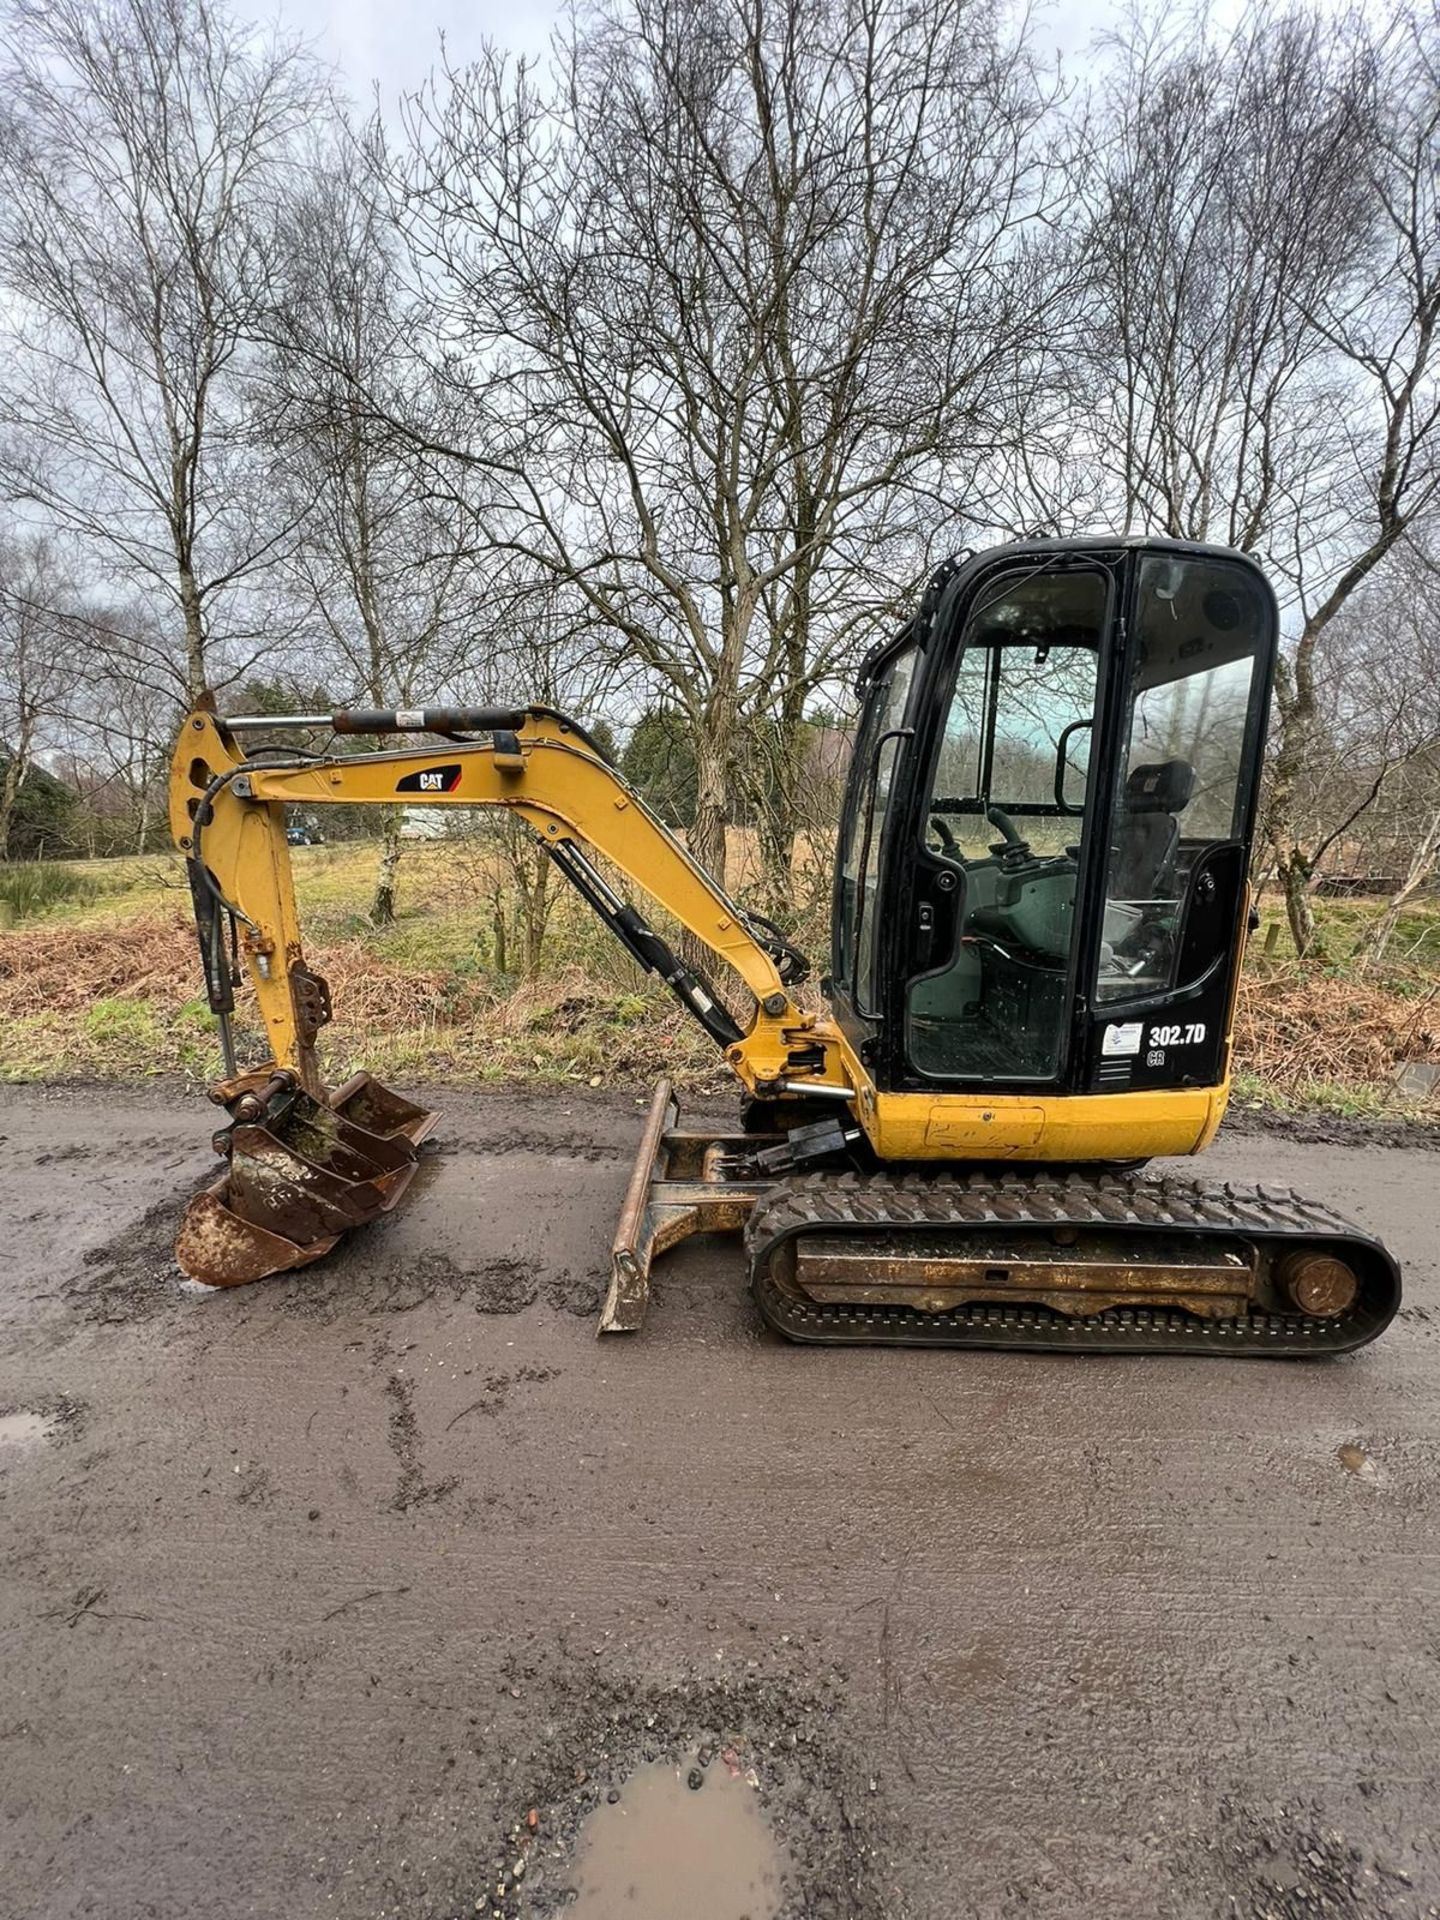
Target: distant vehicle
{"x": 303, "y": 837}
{"x": 422, "y": 823}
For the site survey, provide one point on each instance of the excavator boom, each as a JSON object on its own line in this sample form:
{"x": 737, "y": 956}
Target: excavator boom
{"x": 227, "y": 816}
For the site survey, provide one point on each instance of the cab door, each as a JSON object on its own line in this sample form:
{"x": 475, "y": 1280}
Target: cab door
{"x": 996, "y": 913}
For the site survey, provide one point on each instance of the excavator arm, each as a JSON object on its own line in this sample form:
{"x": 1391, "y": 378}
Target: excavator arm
{"x": 305, "y": 1161}
{"x": 227, "y": 817}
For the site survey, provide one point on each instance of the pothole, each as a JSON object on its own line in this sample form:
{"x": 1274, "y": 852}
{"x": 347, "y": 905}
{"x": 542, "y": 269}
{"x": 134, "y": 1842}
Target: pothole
{"x": 788, "y": 1822}
{"x": 23, "y": 1429}
{"x": 1353, "y": 1457}
{"x": 686, "y": 1839}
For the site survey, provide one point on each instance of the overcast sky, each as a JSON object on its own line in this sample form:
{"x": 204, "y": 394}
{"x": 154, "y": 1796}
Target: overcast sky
{"x": 373, "y": 41}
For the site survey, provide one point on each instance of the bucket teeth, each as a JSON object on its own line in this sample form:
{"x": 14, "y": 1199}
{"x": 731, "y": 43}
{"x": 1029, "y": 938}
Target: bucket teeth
{"x": 299, "y": 1176}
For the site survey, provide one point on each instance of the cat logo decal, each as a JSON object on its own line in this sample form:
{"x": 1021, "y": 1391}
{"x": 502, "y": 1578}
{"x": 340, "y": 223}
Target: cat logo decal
{"x": 430, "y": 780}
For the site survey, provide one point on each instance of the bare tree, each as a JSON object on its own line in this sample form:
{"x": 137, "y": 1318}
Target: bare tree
{"x": 536, "y": 645}
{"x": 1267, "y": 269}
{"x": 1221, "y": 183}
{"x": 143, "y": 145}
{"x": 736, "y": 293}
{"x": 379, "y": 559}
{"x": 1378, "y": 320}
{"x": 39, "y": 666}
{"x": 1375, "y": 726}
{"x": 1371, "y": 948}
{"x": 119, "y": 722}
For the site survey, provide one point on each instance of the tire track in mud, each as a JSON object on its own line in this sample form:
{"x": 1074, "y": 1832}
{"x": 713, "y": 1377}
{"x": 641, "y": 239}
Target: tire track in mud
{"x": 412, "y": 1489}
{"x": 570, "y": 1146}
{"x": 134, "y": 1277}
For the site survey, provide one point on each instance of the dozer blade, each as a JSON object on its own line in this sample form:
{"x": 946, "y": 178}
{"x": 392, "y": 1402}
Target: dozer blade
{"x": 301, "y": 1173}
{"x": 683, "y": 1182}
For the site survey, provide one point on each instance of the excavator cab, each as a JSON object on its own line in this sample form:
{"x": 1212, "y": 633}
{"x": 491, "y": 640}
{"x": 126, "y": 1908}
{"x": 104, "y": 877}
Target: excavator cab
{"x": 1042, "y": 872}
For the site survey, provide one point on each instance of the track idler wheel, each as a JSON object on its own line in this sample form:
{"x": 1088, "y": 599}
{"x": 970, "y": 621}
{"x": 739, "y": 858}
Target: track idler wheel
{"x": 1318, "y": 1283}
{"x": 301, "y": 1172}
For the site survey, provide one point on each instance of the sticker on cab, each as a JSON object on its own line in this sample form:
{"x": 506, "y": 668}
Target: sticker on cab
{"x": 1122, "y": 1037}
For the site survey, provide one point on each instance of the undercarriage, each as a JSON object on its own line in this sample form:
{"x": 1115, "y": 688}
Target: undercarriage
{"x": 1065, "y": 1259}
{"x": 1068, "y": 1259}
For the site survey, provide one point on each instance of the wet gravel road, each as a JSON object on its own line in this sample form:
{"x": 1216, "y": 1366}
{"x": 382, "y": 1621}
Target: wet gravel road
{"x": 311, "y": 1592}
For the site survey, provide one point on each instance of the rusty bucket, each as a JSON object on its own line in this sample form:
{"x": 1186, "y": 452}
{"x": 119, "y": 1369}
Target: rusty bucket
{"x": 301, "y": 1171}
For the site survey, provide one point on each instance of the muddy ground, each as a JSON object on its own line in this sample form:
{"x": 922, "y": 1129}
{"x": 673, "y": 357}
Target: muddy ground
{"x": 312, "y": 1591}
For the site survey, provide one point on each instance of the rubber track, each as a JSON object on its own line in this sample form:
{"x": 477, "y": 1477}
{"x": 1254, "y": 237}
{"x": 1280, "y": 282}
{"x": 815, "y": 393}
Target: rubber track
{"x": 889, "y": 1206}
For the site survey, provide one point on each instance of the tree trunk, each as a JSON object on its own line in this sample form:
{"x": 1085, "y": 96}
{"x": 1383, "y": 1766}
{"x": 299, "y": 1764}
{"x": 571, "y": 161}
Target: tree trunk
{"x": 382, "y": 907}
{"x": 706, "y": 835}
{"x": 9, "y": 793}
{"x": 1370, "y": 948}
{"x": 1299, "y": 906}
{"x": 793, "y": 780}
{"x": 535, "y": 914}
{"x": 778, "y": 806}
{"x": 775, "y": 828}
{"x": 196, "y": 683}
{"x": 502, "y": 957}
{"x": 1295, "y": 703}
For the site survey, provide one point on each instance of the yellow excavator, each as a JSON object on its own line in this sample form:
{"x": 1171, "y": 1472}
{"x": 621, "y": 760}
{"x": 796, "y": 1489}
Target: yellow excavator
{"x": 1040, "y": 906}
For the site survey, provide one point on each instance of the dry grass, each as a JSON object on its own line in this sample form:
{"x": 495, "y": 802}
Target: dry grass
{"x": 111, "y": 988}
{"x": 122, "y": 1002}
{"x": 1297, "y": 1031}
{"x": 64, "y": 970}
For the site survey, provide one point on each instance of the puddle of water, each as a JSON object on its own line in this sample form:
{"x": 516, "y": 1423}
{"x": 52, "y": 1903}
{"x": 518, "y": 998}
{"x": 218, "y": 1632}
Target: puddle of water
{"x": 1356, "y": 1460}
{"x": 664, "y": 1849}
{"x": 19, "y": 1429}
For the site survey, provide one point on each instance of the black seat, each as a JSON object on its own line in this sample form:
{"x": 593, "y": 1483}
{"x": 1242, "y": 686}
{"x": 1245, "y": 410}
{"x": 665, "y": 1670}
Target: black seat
{"x": 1148, "y": 829}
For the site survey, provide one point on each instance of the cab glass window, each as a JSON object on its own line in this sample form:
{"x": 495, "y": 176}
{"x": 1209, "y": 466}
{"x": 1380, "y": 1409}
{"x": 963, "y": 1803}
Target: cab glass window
{"x": 1187, "y": 770}
{"x": 863, "y": 831}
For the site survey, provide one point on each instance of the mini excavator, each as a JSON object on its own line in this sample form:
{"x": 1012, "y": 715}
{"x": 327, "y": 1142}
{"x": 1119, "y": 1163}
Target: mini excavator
{"x": 1040, "y": 906}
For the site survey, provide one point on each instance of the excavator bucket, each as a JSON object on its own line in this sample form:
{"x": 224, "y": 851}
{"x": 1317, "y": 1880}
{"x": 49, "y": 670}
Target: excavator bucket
{"x": 301, "y": 1172}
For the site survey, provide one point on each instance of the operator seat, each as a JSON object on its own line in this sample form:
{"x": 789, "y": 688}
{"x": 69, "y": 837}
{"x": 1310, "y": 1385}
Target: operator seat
{"x": 1148, "y": 827}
